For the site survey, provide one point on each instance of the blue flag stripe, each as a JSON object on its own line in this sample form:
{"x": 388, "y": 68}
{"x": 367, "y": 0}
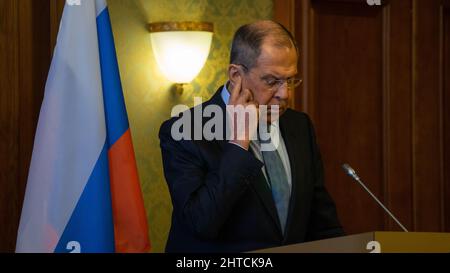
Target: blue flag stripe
{"x": 91, "y": 224}
{"x": 115, "y": 111}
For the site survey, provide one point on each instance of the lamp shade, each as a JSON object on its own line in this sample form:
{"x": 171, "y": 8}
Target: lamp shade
{"x": 181, "y": 49}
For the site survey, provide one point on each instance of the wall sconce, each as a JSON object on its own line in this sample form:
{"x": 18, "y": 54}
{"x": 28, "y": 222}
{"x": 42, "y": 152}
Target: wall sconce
{"x": 181, "y": 49}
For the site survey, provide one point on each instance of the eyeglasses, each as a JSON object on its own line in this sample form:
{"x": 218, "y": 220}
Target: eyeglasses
{"x": 274, "y": 84}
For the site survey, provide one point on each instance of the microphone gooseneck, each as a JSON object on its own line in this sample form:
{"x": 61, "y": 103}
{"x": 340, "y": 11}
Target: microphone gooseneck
{"x": 351, "y": 172}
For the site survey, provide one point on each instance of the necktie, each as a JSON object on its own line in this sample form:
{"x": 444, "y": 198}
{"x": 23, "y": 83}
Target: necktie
{"x": 279, "y": 183}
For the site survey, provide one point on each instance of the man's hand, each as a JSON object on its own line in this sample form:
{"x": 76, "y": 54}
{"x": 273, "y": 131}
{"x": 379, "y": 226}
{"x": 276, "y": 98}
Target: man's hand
{"x": 243, "y": 115}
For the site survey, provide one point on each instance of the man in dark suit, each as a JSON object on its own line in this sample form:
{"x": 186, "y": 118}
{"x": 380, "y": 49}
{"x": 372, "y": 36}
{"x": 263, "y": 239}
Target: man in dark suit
{"x": 230, "y": 194}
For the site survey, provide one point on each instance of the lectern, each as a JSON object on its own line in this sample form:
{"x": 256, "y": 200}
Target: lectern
{"x": 374, "y": 242}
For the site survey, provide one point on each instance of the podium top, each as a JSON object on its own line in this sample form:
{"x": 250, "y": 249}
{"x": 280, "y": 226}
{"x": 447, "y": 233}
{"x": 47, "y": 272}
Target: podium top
{"x": 374, "y": 242}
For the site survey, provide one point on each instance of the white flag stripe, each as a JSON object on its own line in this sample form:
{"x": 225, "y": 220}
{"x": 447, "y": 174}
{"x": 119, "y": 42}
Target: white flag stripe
{"x": 71, "y": 132}
{"x": 100, "y": 6}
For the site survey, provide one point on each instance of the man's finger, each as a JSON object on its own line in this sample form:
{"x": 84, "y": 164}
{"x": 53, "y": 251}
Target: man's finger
{"x": 246, "y": 96}
{"x": 236, "y": 90}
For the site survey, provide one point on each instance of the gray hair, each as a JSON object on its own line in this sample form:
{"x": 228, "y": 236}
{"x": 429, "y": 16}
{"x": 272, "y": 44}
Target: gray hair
{"x": 248, "y": 39}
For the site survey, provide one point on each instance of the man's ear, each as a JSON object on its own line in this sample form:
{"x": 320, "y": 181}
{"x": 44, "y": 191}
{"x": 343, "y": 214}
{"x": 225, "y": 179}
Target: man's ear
{"x": 234, "y": 72}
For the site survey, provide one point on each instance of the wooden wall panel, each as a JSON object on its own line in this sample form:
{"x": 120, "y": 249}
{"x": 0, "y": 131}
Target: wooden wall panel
{"x": 284, "y": 13}
{"x": 341, "y": 61}
{"x": 9, "y": 120}
{"x": 446, "y": 111}
{"x": 376, "y": 85}
{"x": 347, "y": 99}
{"x": 427, "y": 145}
{"x": 34, "y": 62}
{"x": 397, "y": 102}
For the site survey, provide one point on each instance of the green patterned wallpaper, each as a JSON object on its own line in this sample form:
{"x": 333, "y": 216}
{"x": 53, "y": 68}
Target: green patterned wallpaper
{"x": 148, "y": 94}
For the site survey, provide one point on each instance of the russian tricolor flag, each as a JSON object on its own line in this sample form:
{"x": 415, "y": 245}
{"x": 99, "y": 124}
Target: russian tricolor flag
{"x": 83, "y": 192}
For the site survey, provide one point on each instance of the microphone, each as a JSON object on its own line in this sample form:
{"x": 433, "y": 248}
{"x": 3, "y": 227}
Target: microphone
{"x": 350, "y": 172}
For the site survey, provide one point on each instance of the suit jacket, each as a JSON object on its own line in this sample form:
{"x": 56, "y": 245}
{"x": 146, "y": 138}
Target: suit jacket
{"x": 222, "y": 203}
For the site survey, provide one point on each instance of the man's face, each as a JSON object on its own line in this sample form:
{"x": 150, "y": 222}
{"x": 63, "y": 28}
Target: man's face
{"x": 274, "y": 63}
